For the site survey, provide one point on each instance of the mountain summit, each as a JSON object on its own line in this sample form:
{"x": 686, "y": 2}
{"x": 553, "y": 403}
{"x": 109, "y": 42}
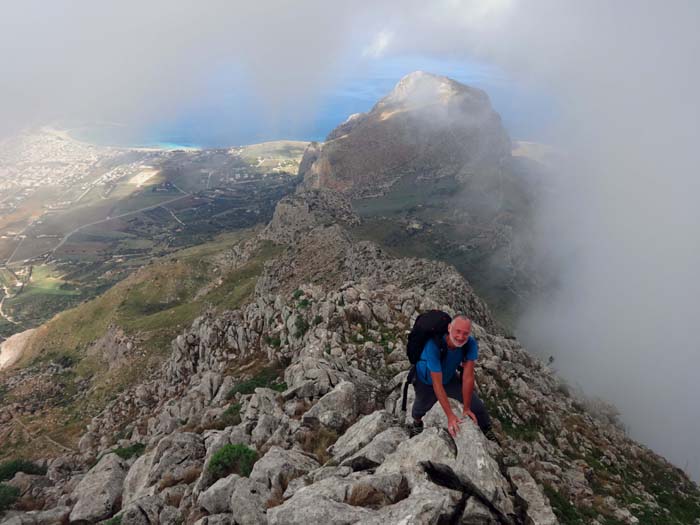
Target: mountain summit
{"x": 428, "y": 125}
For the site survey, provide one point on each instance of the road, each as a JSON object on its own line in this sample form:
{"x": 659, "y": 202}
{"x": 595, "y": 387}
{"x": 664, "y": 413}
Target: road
{"x": 67, "y": 236}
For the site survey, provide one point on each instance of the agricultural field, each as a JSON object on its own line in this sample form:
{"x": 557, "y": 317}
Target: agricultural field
{"x": 120, "y": 209}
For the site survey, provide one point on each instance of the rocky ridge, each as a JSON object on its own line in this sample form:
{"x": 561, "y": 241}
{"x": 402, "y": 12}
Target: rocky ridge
{"x": 330, "y": 316}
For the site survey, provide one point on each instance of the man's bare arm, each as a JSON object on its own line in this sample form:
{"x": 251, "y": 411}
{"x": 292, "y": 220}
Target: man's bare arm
{"x": 468, "y": 388}
{"x": 452, "y": 419}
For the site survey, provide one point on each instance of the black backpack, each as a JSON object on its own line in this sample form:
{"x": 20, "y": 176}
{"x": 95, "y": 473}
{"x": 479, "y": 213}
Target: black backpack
{"x": 429, "y": 325}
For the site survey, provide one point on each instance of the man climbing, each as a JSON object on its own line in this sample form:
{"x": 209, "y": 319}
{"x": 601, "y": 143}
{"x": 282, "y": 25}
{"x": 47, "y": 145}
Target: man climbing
{"x": 436, "y": 378}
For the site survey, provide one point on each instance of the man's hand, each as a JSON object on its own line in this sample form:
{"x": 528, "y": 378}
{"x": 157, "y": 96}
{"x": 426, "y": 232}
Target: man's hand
{"x": 469, "y": 413}
{"x": 453, "y": 425}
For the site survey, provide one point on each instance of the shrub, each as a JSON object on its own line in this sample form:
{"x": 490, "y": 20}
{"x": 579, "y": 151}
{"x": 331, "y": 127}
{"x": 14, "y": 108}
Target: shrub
{"x": 297, "y": 293}
{"x": 232, "y": 415}
{"x": 132, "y": 450}
{"x": 8, "y": 469}
{"x": 304, "y": 303}
{"x": 301, "y": 325}
{"x": 317, "y": 443}
{"x": 318, "y": 320}
{"x": 266, "y": 378}
{"x": 8, "y": 495}
{"x": 275, "y": 342}
{"x": 232, "y": 459}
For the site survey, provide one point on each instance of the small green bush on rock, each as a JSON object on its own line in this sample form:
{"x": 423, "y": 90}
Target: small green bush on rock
{"x": 232, "y": 459}
{"x": 8, "y": 495}
{"x": 8, "y": 469}
{"x": 232, "y": 415}
{"x": 132, "y": 450}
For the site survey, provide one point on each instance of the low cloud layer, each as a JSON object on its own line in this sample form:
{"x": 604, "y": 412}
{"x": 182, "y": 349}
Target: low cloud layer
{"x": 620, "y": 234}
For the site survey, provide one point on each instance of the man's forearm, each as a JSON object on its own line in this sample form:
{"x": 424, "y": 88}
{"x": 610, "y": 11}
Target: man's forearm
{"x": 442, "y": 399}
{"x": 467, "y": 387}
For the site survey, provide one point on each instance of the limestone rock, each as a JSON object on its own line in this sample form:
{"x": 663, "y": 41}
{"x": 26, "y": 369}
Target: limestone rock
{"x": 537, "y": 507}
{"x": 249, "y": 502}
{"x": 473, "y": 460}
{"x": 334, "y": 410}
{"x": 216, "y": 499}
{"x": 278, "y": 467}
{"x": 360, "y": 434}
{"x": 376, "y": 451}
{"x": 98, "y": 495}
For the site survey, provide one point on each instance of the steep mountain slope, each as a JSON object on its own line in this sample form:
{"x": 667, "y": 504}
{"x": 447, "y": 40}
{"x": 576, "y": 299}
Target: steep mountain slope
{"x": 75, "y": 363}
{"x": 286, "y": 410}
{"x": 430, "y": 171}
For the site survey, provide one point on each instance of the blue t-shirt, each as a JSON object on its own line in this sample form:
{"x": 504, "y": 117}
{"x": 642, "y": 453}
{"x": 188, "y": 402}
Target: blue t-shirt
{"x": 430, "y": 360}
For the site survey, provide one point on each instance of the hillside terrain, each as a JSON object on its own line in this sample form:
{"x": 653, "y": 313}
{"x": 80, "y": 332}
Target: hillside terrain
{"x": 283, "y": 406}
{"x": 76, "y": 218}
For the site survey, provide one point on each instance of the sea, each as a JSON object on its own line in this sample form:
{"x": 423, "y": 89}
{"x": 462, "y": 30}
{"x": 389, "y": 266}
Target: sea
{"x": 236, "y": 119}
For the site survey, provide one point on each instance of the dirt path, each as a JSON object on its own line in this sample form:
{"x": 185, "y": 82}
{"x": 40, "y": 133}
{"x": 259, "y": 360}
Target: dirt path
{"x": 33, "y": 437}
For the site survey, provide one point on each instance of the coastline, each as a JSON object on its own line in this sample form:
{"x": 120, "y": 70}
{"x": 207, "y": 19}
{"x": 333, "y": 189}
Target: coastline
{"x": 71, "y": 134}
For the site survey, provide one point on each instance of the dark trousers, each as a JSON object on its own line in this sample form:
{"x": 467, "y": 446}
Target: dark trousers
{"x": 426, "y": 398}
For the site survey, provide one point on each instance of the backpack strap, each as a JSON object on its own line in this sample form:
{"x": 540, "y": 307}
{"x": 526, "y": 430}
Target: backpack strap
{"x": 409, "y": 379}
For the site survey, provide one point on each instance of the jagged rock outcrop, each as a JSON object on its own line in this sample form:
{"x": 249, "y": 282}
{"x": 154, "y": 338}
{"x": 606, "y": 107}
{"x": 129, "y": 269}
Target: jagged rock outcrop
{"x": 295, "y": 215}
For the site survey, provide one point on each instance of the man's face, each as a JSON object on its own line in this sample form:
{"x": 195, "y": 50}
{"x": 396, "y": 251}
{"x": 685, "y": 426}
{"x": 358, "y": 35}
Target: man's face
{"x": 459, "y": 331}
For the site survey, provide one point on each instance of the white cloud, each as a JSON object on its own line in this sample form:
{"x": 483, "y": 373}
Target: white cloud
{"x": 379, "y": 44}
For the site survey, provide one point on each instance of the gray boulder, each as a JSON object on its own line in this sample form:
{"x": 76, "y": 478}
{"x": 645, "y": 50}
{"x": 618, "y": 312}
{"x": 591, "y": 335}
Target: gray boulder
{"x": 216, "y": 499}
{"x": 142, "y": 511}
{"x": 360, "y": 434}
{"x": 136, "y": 481}
{"x": 249, "y": 502}
{"x": 322, "y": 502}
{"x": 473, "y": 462}
{"x": 178, "y": 457}
{"x": 374, "y": 453}
{"x": 278, "y": 467}
{"x": 216, "y": 519}
{"x": 55, "y": 516}
{"x": 430, "y": 445}
{"x": 99, "y": 493}
{"x": 427, "y": 504}
{"x": 537, "y": 508}
{"x": 336, "y": 409}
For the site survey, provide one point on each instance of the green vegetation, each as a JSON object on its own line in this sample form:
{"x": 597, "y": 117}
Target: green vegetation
{"x": 266, "y": 378}
{"x": 115, "y": 520}
{"x": 9, "y": 468}
{"x": 152, "y": 306}
{"x": 302, "y": 326}
{"x": 232, "y": 415}
{"x": 8, "y": 495}
{"x": 232, "y": 459}
{"x": 275, "y": 342}
{"x": 131, "y": 451}
{"x": 568, "y": 513}
{"x": 304, "y": 303}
